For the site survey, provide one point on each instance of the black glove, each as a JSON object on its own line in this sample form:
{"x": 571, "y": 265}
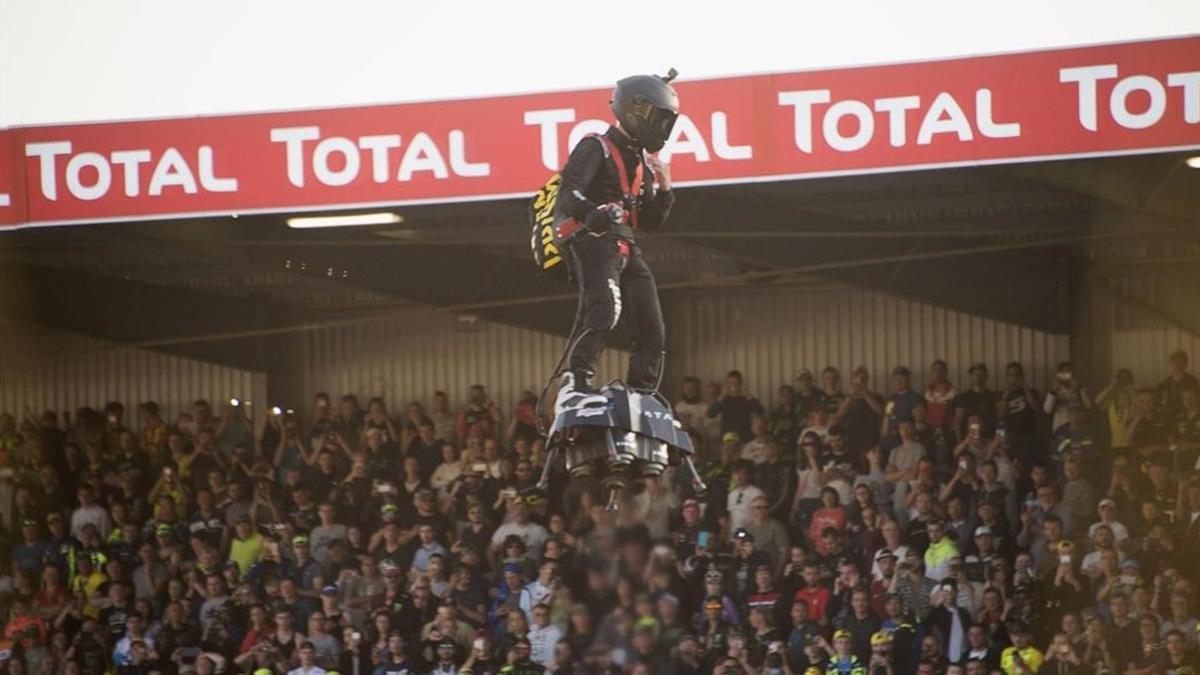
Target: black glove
{"x": 603, "y": 217}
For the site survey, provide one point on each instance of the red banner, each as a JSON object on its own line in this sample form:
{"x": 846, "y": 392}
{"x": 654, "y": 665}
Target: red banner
{"x": 1111, "y": 99}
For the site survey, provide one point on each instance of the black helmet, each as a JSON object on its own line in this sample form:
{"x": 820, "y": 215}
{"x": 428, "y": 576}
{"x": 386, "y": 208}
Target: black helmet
{"x": 646, "y": 106}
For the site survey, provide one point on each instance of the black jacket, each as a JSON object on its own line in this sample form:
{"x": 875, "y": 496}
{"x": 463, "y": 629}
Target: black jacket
{"x": 590, "y": 179}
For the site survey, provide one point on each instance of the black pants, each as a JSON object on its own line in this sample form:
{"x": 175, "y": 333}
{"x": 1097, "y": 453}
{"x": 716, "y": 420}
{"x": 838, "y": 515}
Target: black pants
{"x": 612, "y": 282}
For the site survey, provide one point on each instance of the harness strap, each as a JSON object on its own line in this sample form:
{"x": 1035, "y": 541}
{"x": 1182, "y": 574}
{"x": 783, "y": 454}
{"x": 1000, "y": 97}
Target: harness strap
{"x": 629, "y": 191}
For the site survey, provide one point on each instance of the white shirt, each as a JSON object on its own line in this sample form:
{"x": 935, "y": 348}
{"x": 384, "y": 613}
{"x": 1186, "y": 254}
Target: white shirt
{"x": 738, "y": 503}
{"x": 1120, "y": 532}
{"x": 541, "y": 643}
{"x": 90, "y": 515}
{"x": 123, "y": 653}
{"x": 537, "y": 593}
{"x": 654, "y": 511}
{"x": 445, "y": 474}
{"x": 808, "y": 484}
{"x": 755, "y": 451}
{"x": 532, "y": 534}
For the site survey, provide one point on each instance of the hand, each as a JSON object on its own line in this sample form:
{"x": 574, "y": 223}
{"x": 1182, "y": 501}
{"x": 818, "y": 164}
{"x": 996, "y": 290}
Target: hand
{"x": 661, "y": 171}
{"x": 612, "y": 212}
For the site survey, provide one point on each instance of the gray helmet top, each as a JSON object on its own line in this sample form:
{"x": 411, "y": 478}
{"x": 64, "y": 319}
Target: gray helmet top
{"x": 646, "y": 106}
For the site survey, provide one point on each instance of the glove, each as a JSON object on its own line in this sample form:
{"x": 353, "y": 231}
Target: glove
{"x": 600, "y": 219}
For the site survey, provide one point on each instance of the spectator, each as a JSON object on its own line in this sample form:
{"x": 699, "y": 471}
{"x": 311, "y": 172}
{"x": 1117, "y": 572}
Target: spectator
{"x": 900, "y": 403}
{"x": 742, "y": 493}
{"x": 328, "y": 526}
{"x": 860, "y": 414}
{"x": 1063, "y": 395}
{"x": 734, "y": 407}
{"x": 1116, "y": 400}
{"x": 543, "y": 635}
{"x": 940, "y": 395}
{"x": 977, "y": 400}
{"x": 1169, "y": 394}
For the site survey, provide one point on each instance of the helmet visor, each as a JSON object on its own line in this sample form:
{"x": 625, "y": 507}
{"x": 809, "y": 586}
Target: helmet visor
{"x": 657, "y": 121}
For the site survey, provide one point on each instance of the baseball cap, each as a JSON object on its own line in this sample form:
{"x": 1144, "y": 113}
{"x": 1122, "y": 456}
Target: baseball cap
{"x": 300, "y": 540}
{"x": 743, "y": 534}
{"x": 841, "y": 633}
{"x": 1106, "y": 502}
{"x": 901, "y": 370}
{"x": 883, "y": 554}
{"x": 880, "y": 637}
{"x": 983, "y": 530}
{"x": 713, "y": 602}
{"x": 803, "y": 373}
{"x": 329, "y": 590}
{"x": 29, "y": 522}
{"x": 162, "y": 529}
{"x": 731, "y": 437}
{"x": 690, "y": 502}
{"x": 713, "y": 575}
{"x": 512, "y": 567}
{"x": 1129, "y": 563}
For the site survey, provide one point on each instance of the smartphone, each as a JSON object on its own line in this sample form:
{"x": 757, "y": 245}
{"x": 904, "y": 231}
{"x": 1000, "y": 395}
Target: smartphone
{"x": 702, "y": 540}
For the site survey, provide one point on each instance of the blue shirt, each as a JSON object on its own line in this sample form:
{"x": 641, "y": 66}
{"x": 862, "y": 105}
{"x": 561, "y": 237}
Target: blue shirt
{"x": 421, "y": 557}
{"x": 902, "y": 404}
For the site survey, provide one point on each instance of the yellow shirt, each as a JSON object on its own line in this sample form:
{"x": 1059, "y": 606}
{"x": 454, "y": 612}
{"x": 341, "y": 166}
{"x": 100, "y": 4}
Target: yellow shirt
{"x": 245, "y": 552}
{"x": 1120, "y": 412}
{"x": 154, "y": 442}
{"x": 88, "y": 587}
{"x": 1030, "y": 655}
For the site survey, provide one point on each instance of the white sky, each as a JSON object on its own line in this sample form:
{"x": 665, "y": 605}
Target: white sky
{"x": 71, "y": 61}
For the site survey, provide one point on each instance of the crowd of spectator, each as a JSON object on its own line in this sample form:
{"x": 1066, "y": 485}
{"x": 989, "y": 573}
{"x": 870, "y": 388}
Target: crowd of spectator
{"x": 966, "y": 527}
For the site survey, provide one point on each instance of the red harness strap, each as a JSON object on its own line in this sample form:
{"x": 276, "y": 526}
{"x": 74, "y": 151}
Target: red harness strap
{"x": 630, "y": 192}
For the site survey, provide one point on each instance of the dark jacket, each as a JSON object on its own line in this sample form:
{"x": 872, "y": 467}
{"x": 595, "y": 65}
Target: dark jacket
{"x": 590, "y": 179}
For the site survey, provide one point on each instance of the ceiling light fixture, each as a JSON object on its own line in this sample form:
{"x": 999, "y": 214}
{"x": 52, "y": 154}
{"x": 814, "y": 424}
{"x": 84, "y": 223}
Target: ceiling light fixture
{"x": 308, "y": 222}
{"x": 1194, "y": 162}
